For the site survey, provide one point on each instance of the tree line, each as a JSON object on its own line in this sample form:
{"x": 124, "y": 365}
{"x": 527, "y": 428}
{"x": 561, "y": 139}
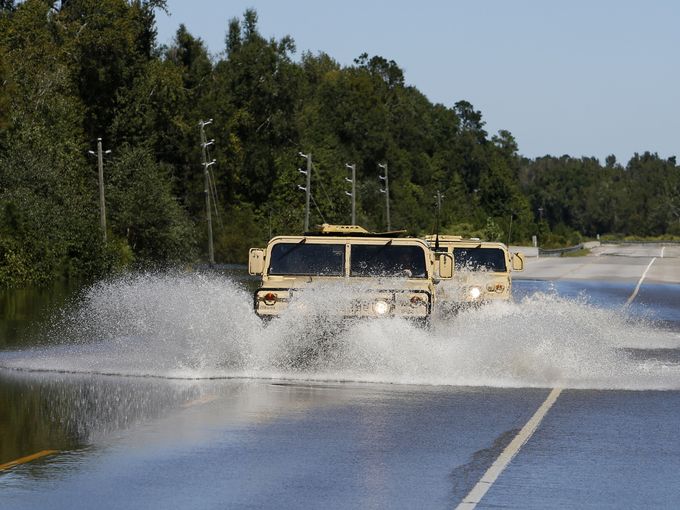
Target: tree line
{"x": 77, "y": 70}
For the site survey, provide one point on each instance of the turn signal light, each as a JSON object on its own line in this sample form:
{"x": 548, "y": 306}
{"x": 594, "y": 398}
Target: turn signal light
{"x": 269, "y": 298}
{"x": 500, "y": 287}
{"x": 417, "y": 301}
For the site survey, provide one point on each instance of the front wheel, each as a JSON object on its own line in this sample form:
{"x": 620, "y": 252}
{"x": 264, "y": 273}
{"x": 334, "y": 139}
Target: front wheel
{"x": 422, "y": 322}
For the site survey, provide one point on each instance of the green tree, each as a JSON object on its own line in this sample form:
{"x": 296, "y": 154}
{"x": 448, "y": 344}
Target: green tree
{"x": 110, "y": 42}
{"x": 144, "y": 215}
{"x": 47, "y": 194}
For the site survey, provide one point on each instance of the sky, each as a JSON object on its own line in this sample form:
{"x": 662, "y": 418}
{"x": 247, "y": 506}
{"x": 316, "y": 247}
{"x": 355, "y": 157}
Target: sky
{"x": 577, "y": 77}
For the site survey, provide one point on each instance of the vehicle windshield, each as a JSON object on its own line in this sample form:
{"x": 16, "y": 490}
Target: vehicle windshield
{"x": 479, "y": 259}
{"x": 307, "y": 259}
{"x": 388, "y": 260}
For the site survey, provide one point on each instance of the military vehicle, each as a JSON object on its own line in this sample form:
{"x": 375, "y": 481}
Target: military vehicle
{"x": 384, "y": 274}
{"x": 481, "y": 270}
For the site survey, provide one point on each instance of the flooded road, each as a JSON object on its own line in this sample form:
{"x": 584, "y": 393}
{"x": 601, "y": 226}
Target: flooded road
{"x": 164, "y": 391}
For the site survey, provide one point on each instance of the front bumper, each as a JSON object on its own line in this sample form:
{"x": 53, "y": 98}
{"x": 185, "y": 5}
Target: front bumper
{"x": 272, "y": 302}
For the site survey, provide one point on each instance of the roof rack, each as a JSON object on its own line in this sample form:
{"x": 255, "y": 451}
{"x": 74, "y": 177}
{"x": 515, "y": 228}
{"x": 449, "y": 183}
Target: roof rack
{"x": 350, "y": 231}
{"x": 443, "y": 237}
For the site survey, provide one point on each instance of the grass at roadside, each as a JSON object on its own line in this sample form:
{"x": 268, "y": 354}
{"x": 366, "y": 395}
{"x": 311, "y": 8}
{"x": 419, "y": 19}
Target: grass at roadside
{"x": 579, "y": 253}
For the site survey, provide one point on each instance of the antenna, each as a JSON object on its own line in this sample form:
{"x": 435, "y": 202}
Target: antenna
{"x": 439, "y": 197}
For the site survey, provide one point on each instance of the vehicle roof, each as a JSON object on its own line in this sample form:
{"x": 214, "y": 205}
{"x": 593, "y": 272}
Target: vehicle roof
{"x": 332, "y": 239}
{"x": 449, "y": 240}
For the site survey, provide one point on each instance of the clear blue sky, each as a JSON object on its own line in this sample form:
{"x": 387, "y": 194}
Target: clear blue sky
{"x": 581, "y": 77}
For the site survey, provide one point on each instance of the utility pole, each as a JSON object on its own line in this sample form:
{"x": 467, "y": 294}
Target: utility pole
{"x": 206, "y": 188}
{"x": 387, "y": 193}
{"x": 102, "y": 202}
{"x": 308, "y": 187}
{"x": 353, "y": 194}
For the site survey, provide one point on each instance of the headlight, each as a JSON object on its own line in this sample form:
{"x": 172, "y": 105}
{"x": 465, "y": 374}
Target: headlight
{"x": 475, "y": 292}
{"x": 381, "y": 307}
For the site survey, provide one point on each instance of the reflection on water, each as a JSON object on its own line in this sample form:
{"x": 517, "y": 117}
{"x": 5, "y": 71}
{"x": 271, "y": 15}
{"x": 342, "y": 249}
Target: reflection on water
{"x": 71, "y": 412}
{"x": 26, "y": 312}
{"x": 67, "y": 412}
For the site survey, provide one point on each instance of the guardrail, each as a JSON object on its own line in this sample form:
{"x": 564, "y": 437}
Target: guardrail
{"x": 557, "y": 252}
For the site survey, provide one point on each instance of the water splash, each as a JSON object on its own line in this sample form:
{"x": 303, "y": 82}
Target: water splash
{"x": 203, "y": 326}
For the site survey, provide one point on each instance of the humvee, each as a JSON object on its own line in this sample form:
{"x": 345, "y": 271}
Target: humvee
{"x": 395, "y": 276}
{"x": 482, "y": 270}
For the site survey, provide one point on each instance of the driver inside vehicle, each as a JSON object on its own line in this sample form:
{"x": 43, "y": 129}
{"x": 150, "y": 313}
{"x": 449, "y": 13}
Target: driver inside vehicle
{"x": 405, "y": 265}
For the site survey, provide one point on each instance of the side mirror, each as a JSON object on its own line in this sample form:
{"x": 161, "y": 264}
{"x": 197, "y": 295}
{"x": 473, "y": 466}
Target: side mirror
{"x": 517, "y": 262}
{"x": 445, "y": 266}
{"x": 256, "y": 261}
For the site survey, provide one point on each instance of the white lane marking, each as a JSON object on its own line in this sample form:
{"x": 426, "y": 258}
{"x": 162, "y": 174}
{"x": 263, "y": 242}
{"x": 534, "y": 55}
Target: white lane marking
{"x": 639, "y": 284}
{"x": 662, "y": 250}
{"x": 478, "y": 491}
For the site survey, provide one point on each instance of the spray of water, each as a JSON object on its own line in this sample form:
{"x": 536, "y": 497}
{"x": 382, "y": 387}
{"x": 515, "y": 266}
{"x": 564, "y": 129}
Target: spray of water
{"x": 202, "y": 326}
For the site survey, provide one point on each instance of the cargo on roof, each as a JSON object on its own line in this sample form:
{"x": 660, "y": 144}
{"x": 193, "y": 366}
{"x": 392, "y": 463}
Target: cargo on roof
{"x": 351, "y": 231}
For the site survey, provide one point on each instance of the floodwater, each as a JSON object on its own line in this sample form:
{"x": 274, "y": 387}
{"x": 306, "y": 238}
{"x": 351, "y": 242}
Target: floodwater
{"x": 165, "y": 391}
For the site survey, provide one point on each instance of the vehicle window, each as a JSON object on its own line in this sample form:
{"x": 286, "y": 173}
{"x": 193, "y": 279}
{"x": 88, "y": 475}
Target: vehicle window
{"x": 479, "y": 259}
{"x": 387, "y": 260}
{"x": 307, "y": 259}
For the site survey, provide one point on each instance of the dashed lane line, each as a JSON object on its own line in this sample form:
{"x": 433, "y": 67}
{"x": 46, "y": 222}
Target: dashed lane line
{"x": 478, "y": 491}
{"x": 639, "y": 283}
{"x": 28, "y": 458}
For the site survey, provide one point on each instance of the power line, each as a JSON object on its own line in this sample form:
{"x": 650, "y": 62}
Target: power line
{"x": 317, "y": 208}
{"x": 323, "y": 188}
{"x": 213, "y": 190}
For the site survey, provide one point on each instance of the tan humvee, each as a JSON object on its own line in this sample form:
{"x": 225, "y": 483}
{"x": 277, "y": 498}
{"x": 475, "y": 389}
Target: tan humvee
{"x": 395, "y": 276}
{"x": 482, "y": 270}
